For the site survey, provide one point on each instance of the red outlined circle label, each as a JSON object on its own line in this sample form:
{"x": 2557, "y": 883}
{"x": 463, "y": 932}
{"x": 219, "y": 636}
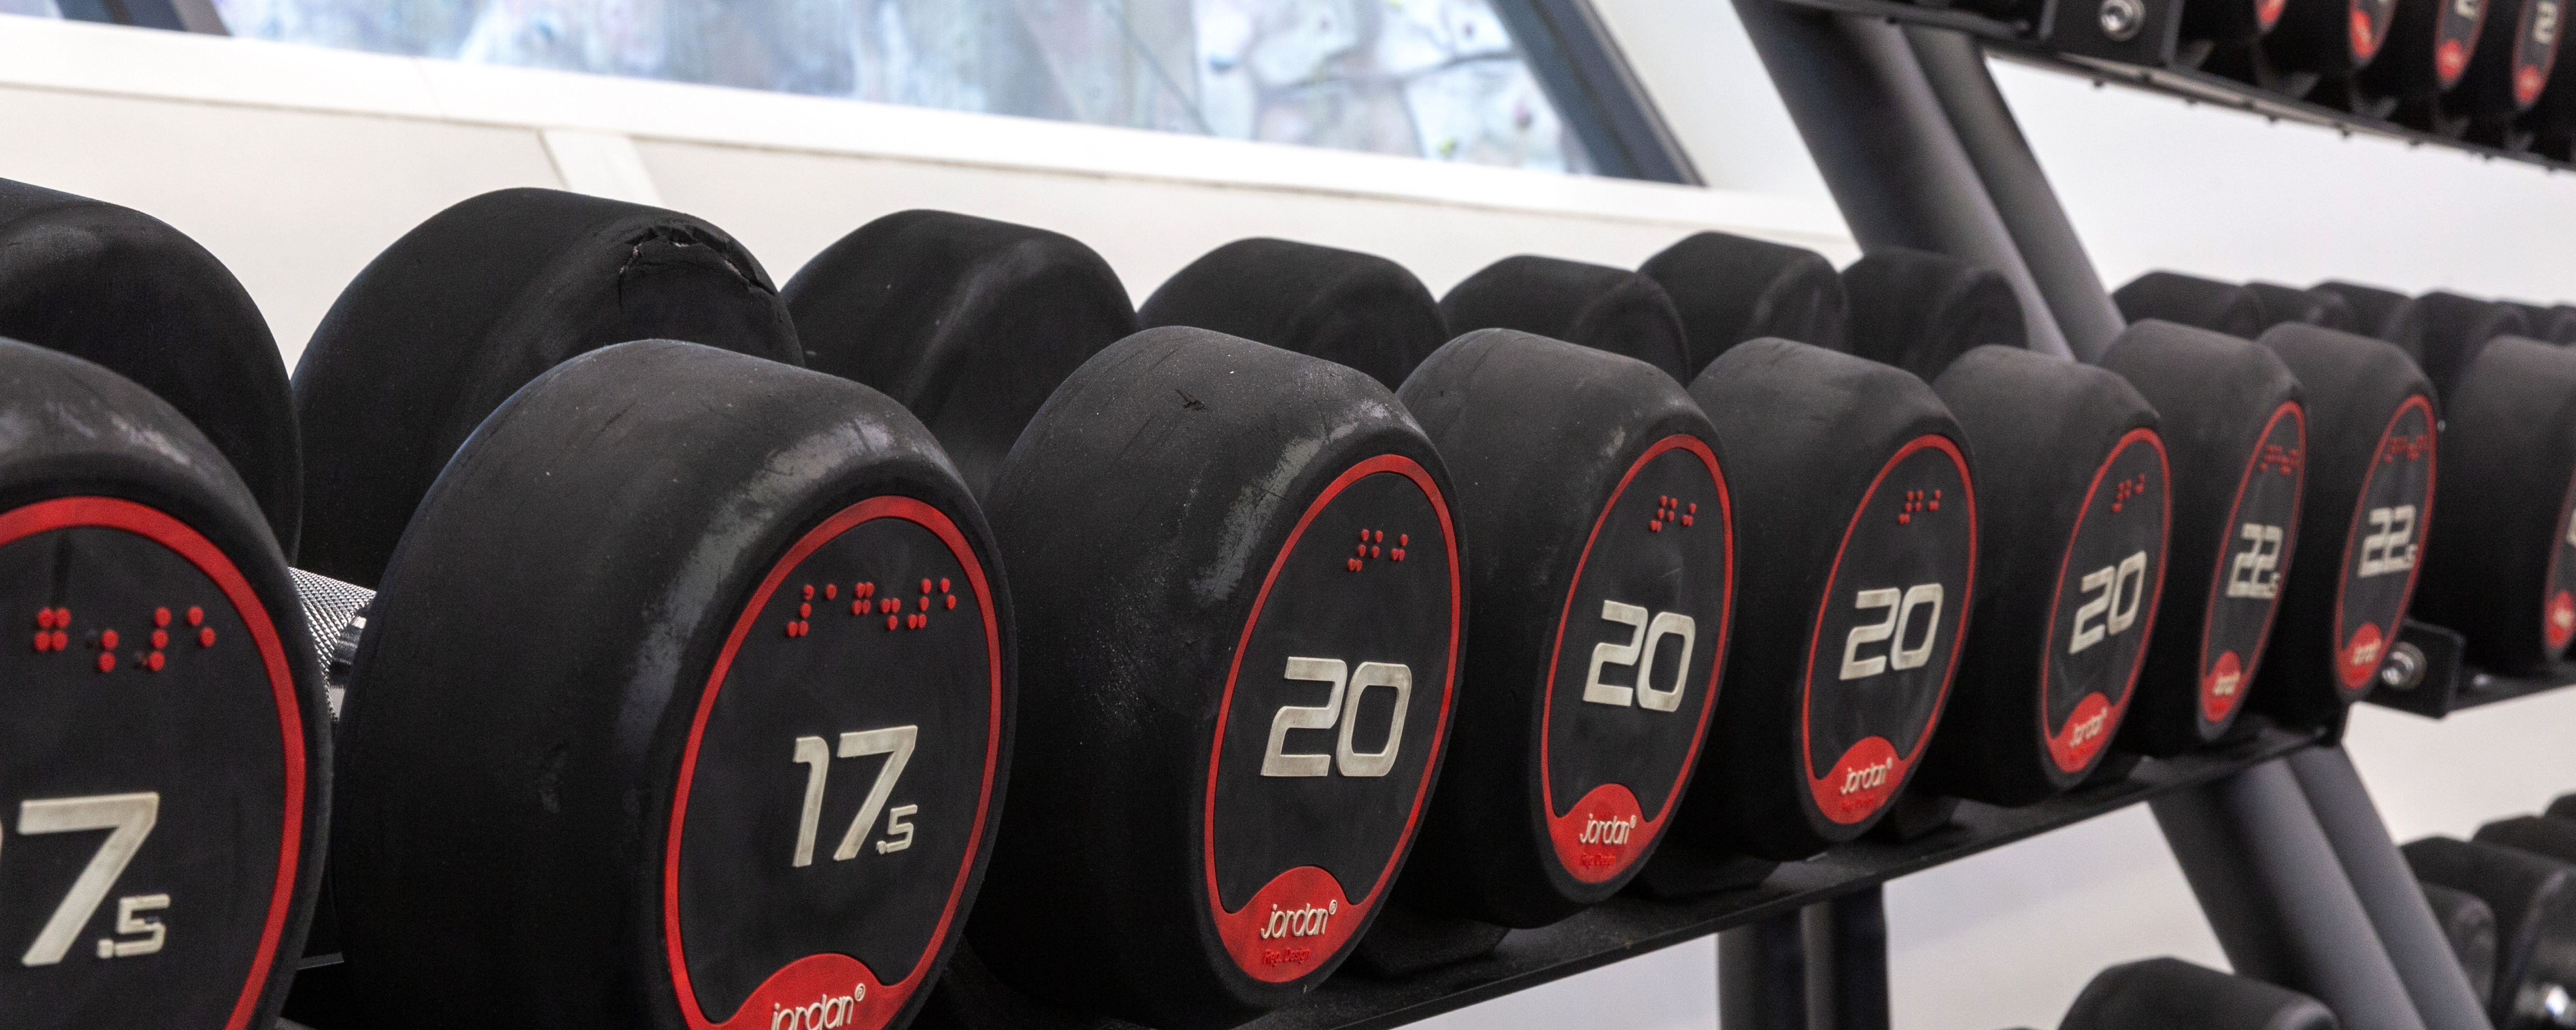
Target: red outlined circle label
{"x": 1331, "y": 720}
{"x": 2381, "y": 544}
{"x": 2255, "y": 546}
{"x": 837, "y": 779}
{"x": 154, "y": 721}
{"x": 2108, "y": 586}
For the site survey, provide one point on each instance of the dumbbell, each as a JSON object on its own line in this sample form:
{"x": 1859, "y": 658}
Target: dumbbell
{"x": 2533, "y": 900}
{"x": 1730, "y": 289}
{"x": 2368, "y": 492}
{"x": 2551, "y": 324}
{"x": 2427, "y": 53}
{"x": 1612, "y": 309}
{"x": 2468, "y": 926}
{"x": 1343, "y": 306}
{"x": 2442, "y": 331}
{"x": 2162, "y": 993}
{"x": 2292, "y": 304}
{"x": 1242, "y": 604}
{"x": 2374, "y": 311}
{"x": 2211, "y": 26}
{"x": 967, "y": 322}
{"x": 1919, "y": 311}
{"x": 1594, "y": 511}
{"x": 2237, "y": 434}
{"x": 2331, "y": 39}
{"x": 2508, "y": 69}
{"x": 2077, "y": 490}
{"x": 2193, "y": 301}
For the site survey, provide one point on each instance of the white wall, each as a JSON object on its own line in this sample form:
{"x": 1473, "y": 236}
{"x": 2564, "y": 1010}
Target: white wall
{"x": 295, "y": 166}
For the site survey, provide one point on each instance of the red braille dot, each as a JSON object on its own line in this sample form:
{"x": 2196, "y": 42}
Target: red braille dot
{"x": 206, "y": 637}
{"x": 925, "y": 586}
{"x": 888, "y": 604}
{"x": 1397, "y": 554}
{"x": 858, "y": 607}
{"x": 1364, "y": 536}
{"x": 42, "y": 639}
{"x": 1936, "y": 504}
{"x": 1381, "y": 537}
{"x": 943, "y": 585}
{"x": 160, "y": 616}
{"x": 1404, "y": 540}
{"x": 44, "y": 618}
{"x": 160, "y": 639}
{"x": 791, "y": 628}
{"x": 831, "y": 590}
{"x": 107, "y": 639}
{"x": 889, "y": 622}
{"x": 1375, "y": 551}
{"x": 1655, "y": 526}
{"x": 106, "y": 661}
{"x": 1902, "y": 518}
{"x": 952, "y": 602}
{"x": 62, "y": 640}
{"x": 804, "y": 611}
{"x": 925, "y": 604}
{"x": 1694, "y": 508}
{"x": 154, "y": 663}
{"x": 196, "y": 615}
{"x": 1686, "y": 520}
{"x": 809, "y": 591}
{"x": 1363, "y": 550}
{"x": 864, "y": 589}
{"x": 1353, "y": 564}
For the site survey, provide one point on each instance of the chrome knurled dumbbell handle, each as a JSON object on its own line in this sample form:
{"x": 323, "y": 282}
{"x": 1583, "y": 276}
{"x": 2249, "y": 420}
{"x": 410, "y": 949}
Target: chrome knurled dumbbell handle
{"x": 336, "y": 615}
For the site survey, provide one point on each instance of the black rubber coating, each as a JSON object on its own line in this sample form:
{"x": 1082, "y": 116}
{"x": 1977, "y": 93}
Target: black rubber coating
{"x": 2375, "y": 312}
{"x": 1731, "y": 288}
{"x": 1594, "y": 305}
{"x": 968, "y": 322}
{"x": 2562, "y": 807}
{"x": 127, "y": 291}
{"x": 2469, "y": 927}
{"x": 2499, "y": 566}
{"x": 2078, "y": 498}
{"x": 2228, "y": 22}
{"x": 2235, "y": 430}
{"x": 2292, "y": 304}
{"x": 103, "y": 487}
{"x": 2169, "y": 993}
{"x": 2333, "y": 38}
{"x": 1342, "y": 306}
{"x": 2192, "y": 301}
{"x": 2444, "y": 332}
{"x": 1857, "y": 510}
{"x": 1179, "y": 521}
{"x": 567, "y": 738}
{"x": 469, "y": 306}
{"x": 2534, "y": 901}
{"x": 1594, "y": 510}
{"x": 2553, "y": 117}
{"x": 1919, "y": 311}
{"x": 2372, "y": 430}
{"x": 2551, "y": 325}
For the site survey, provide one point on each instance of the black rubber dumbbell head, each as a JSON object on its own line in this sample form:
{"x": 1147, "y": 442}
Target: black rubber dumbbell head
{"x": 2533, "y": 898}
{"x": 167, "y": 723}
{"x": 1243, "y": 604}
{"x": 2368, "y": 499}
{"x": 2332, "y": 38}
{"x": 2192, "y": 301}
{"x": 2163, "y": 993}
{"x": 1919, "y": 311}
{"x": 2469, "y": 927}
{"x": 1612, "y": 309}
{"x": 2374, "y": 311}
{"x": 471, "y": 305}
{"x": 2549, "y": 324}
{"x": 1857, "y": 522}
{"x": 1601, "y": 566}
{"x": 2444, "y": 332}
{"x": 2499, "y": 567}
{"x": 968, "y": 322}
{"x": 2292, "y": 304}
{"x": 686, "y": 702}
{"x": 2428, "y": 49}
{"x": 2236, "y": 433}
{"x": 2508, "y": 68}
{"x": 125, "y": 290}
{"x": 2079, "y": 499}
{"x": 1730, "y": 289}
{"x": 2229, "y": 22}
{"x": 1342, "y": 306}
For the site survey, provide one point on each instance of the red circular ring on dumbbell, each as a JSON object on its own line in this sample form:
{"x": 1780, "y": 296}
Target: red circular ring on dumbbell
{"x": 2386, "y": 533}
{"x": 787, "y": 947}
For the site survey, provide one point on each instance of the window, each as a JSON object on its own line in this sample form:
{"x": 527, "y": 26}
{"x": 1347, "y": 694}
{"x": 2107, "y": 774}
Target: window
{"x": 1441, "y": 79}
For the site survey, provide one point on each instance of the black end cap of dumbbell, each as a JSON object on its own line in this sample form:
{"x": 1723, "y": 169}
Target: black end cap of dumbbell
{"x": 2161, "y": 993}
{"x": 1404, "y": 941}
{"x": 1180, "y": 521}
{"x": 1594, "y": 509}
{"x": 124, "y": 289}
{"x": 2468, "y": 925}
{"x": 570, "y": 798}
{"x": 469, "y": 306}
{"x": 2375, "y": 311}
{"x": 113, "y": 504}
{"x": 1857, "y": 511}
{"x": 2444, "y": 332}
{"x": 1342, "y": 306}
{"x": 2547, "y": 324}
{"x": 1612, "y": 309}
{"x": 2561, "y": 807}
{"x": 1919, "y": 311}
{"x": 2193, "y": 301}
{"x": 2292, "y": 304}
{"x": 2533, "y": 898}
{"x": 2372, "y": 429}
{"x": 1732, "y": 288}
{"x": 2235, "y": 431}
{"x": 968, "y": 322}
{"x": 2077, "y": 490}
{"x": 2228, "y": 22}
{"x": 2328, "y": 38}
{"x": 2498, "y": 565}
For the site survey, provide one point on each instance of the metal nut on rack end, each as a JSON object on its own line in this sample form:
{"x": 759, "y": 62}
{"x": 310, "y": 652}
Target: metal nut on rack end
{"x": 2121, "y": 19}
{"x": 2404, "y": 669}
